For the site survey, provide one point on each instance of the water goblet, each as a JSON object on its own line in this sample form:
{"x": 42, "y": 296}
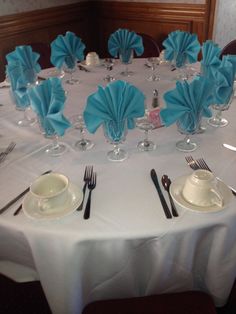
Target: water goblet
{"x": 188, "y": 126}
{"x": 145, "y": 125}
{"x": 109, "y": 63}
{"x": 154, "y": 61}
{"x": 179, "y": 63}
{"x": 55, "y": 148}
{"x": 70, "y": 67}
{"x": 115, "y": 132}
{"x": 217, "y": 120}
{"x": 79, "y": 124}
{"x": 126, "y": 58}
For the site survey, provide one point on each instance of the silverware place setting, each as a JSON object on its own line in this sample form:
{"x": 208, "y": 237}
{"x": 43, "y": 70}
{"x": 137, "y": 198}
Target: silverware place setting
{"x": 7, "y": 151}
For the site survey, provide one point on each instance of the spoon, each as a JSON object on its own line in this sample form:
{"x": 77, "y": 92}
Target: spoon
{"x": 166, "y": 182}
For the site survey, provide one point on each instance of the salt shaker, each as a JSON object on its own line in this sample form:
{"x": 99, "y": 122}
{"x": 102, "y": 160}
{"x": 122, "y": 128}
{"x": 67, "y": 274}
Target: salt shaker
{"x": 155, "y": 101}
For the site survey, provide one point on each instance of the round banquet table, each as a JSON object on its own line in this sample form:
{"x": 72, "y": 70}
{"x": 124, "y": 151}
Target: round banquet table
{"x": 127, "y": 248}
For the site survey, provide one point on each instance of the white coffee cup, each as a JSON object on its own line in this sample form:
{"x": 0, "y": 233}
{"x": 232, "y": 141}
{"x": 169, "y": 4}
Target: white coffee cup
{"x": 200, "y": 189}
{"x": 51, "y": 191}
{"x": 92, "y": 58}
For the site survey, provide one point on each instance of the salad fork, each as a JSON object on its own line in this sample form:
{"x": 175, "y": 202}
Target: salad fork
{"x": 201, "y": 164}
{"x": 91, "y": 185}
{"x": 87, "y": 177}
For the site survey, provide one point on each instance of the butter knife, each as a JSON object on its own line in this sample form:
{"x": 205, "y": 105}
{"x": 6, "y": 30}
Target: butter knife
{"x": 14, "y": 200}
{"x": 233, "y": 148}
{"x": 161, "y": 196}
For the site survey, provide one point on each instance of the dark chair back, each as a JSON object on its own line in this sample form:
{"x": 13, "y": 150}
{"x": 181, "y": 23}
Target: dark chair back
{"x": 151, "y": 48}
{"x": 229, "y": 49}
{"x": 44, "y": 50}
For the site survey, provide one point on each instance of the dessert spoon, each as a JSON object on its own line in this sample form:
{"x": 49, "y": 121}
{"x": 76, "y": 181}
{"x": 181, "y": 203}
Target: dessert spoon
{"x": 166, "y": 182}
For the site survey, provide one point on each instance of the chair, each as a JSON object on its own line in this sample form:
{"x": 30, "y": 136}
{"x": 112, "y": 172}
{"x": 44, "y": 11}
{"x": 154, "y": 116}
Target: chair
{"x": 229, "y": 49}
{"x": 191, "y": 302}
{"x": 151, "y": 48}
{"x": 44, "y": 50}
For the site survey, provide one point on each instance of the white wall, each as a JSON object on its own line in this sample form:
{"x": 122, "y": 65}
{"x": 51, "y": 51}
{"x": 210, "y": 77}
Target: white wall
{"x": 225, "y": 22}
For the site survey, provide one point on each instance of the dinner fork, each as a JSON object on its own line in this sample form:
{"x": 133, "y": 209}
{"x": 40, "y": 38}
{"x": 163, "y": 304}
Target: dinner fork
{"x": 201, "y": 164}
{"x": 91, "y": 185}
{"x": 7, "y": 151}
{"x": 87, "y": 176}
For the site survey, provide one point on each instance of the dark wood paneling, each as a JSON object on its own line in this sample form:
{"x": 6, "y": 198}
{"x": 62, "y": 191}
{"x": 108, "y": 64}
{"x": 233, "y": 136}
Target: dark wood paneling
{"x": 155, "y": 19}
{"x": 94, "y": 21}
{"x": 44, "y": 26}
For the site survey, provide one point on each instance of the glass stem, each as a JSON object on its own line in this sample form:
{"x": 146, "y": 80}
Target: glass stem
{"x": 187, "y": 139}
{"x": 116, "y": 149}
{"x": 55, "y": 143}
{"x": 218, "y": 115}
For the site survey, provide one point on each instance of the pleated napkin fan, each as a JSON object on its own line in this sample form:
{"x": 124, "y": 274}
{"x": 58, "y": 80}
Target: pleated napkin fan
{"x": 187, "y": 102}
{"x": 48, "y": 101}
{"x": 117, "y": 101}
{"x": 123, "y": 41}
{"x": 210, "y": 58}
{"x": 181, "y": 46}
{"x": 67, "y": 50}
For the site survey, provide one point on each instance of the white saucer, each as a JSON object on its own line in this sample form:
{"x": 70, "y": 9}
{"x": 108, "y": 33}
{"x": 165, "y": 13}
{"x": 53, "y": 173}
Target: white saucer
{"x": 176, "y": 193}
{"x": 31, "y": 209}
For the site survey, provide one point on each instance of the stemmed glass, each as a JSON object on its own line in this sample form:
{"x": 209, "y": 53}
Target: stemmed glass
{"x": 181, "y": 68}
{"x": 217, "y": 120}
{"x": 82, "y": 144}
{"x": 115, "y": 132}
{"x": 146, "y": 125}
{"x": 70, "y": 70}
{"x": 55, "y": 148}
{"x": 109, "y": 63}
{"x": 154, "y": 61}
{"x": 126, "y": 58}
{"x": 188, "y": 126}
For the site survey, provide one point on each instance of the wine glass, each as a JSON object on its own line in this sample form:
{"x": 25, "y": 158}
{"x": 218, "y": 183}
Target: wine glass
{"x": 109, "y": 63}
{"x": 78, "y": 123}
{"x": 145, "y": 125}
{"x": 70, "y": 67}
{"x": 188, "y": 125}
{"x": 154, "y": 61}
{"x": 217, "y": 120}
{"x": 115, "y": 132}
{"x": 55, "y": 148}
{"x": 126, "y": 57}
{"x": 179, "y": 64}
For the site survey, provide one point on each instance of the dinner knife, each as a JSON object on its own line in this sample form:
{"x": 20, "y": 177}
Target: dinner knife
{"x": 161, "y": 196}
{"x": 14, "y": 200}
{"x": 230, "y": 147}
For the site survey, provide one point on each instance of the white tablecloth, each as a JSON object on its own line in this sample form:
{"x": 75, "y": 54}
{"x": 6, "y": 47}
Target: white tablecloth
{"x": 127, "y": 248}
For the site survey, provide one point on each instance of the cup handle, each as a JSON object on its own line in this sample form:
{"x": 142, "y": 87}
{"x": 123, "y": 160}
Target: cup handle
{"x": 217, "y": 199}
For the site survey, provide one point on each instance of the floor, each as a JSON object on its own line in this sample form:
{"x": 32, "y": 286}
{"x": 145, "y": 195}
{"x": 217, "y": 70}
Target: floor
{"x": 28, "y": 298}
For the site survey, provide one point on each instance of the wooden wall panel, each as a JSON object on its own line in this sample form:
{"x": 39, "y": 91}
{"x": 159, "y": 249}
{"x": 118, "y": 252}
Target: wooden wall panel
{"x": 43, "y": 26}
{"x": 94, "y": 21}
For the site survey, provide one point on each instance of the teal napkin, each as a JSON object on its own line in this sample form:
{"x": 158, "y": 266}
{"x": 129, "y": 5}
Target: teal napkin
{"x": 224, "y": 83}
{"x": 67, "y": 49}
{"x": 187, "y": 103}
{"x": 123, "y": 42}
{"x": 181, "y": 46}
{"x": 48, "y": 101}
{"x": 18, "y": 85}
{"x": 210, "y": 58}
{"x": 232, "y": 60}
{"x": 117, "y": 101}
{"x": 24, "y": 57}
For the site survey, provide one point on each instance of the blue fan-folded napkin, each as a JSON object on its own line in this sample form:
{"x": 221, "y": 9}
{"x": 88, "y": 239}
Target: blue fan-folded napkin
{"x": 224, "y": 82}
{"x": 210, "y": 58}
{"x": 181, "y": 46}
{"x": 67, "y": 50}
{"x": 117, "y": 101}
{"x": 232, "y": 60}
{"x": 47, "y": 100}
{"x": 122, "y": 42}
{"x": 187, "y": 103}
{"x": 24, "y": 57}
{"x": 18, "y": 85}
